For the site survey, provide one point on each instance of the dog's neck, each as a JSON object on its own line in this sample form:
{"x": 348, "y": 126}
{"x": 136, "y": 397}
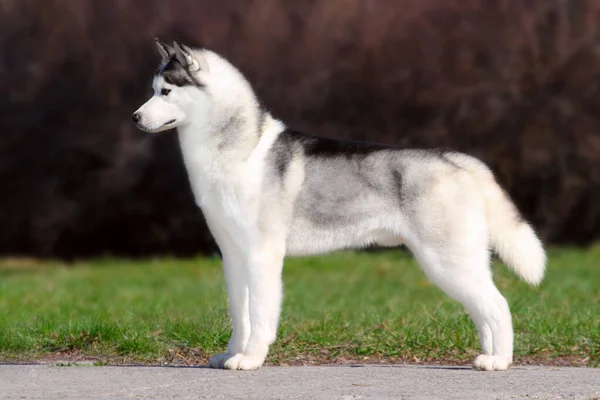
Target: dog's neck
{"x": 231, "y": 129}
{"x": 221, "y": 144}
{"x": 231, "y": 133}
{"x": 215, "y": 149}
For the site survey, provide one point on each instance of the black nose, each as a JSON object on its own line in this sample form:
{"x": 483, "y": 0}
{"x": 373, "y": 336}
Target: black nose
{"x": 136, "y": 117}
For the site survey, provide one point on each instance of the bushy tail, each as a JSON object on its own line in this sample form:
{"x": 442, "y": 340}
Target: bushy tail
{"x": 511, "y": 236}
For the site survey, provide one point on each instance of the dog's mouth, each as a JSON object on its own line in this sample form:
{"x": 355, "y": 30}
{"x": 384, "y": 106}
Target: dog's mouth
{"x": 167, "y": 125}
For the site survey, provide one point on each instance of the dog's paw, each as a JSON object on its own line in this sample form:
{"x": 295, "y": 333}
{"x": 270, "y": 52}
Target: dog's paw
{"x": 242, "y": 362}
{"x": 219, "y": 360}
{"x": 491, "y": 363}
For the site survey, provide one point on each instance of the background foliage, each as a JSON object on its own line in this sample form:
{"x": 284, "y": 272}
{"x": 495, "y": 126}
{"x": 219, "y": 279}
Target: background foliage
{"x": 515, "y": 83}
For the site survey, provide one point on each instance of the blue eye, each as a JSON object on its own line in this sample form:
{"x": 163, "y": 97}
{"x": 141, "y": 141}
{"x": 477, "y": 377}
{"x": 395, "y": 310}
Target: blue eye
{"x": 165, "y": 92}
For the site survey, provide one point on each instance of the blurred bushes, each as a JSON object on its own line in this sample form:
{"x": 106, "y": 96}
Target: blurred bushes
{"x": 516, "y": 83}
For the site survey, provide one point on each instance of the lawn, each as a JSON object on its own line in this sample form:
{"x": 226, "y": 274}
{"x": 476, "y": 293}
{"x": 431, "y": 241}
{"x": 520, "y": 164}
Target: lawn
{"x": 344, "y": 307}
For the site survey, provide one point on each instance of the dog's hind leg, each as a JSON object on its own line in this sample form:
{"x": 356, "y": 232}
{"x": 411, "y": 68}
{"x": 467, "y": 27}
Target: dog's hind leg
{"x": 485, "y": 334}
{"x": 465, "y": 276}
{"x": 498, "y": 317}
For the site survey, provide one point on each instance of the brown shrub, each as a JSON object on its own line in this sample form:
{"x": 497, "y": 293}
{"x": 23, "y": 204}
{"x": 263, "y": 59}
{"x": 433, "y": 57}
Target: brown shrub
{"x": 516, "y": 85}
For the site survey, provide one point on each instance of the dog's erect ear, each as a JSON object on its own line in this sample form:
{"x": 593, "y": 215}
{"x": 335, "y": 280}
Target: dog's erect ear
{"x": 188, "y": 58}
{"x": 165, "y": 51}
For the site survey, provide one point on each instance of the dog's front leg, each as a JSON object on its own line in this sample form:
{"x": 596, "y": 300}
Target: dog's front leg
{"x": 265, "y": 295}
{"x": 236, "y": 276}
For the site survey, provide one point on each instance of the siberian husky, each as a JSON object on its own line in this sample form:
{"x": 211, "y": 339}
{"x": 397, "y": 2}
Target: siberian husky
{"x": 268, "y": 191}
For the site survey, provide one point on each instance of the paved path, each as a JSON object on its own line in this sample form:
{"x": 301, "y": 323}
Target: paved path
{"x": 330, "y": 382}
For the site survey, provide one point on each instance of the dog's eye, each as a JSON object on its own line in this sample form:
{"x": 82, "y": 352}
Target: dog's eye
{"x": 165, "y": 92}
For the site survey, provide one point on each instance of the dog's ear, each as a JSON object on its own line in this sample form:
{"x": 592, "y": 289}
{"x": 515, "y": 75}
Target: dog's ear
{"x": 188, "y": 58}
{"x": 165, "y": 50}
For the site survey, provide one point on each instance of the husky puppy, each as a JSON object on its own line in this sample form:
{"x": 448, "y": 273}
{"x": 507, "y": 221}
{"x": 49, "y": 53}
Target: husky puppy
{"x": 268, "y": 191}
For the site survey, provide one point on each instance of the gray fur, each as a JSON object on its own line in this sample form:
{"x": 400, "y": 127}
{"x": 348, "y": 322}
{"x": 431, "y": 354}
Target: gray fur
{"x": 176, "y": 74}
{"x": 343, "y": 176}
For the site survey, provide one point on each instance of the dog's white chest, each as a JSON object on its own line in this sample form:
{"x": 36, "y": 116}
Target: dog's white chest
{"x": 223, "y": 202}
{"x": 229, "y": 202}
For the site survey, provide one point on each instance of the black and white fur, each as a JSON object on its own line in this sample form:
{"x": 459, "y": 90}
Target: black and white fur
{"x": 267, "y": 191}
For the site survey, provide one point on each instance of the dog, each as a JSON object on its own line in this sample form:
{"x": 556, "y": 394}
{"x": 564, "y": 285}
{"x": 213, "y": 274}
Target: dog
{"x": 268, "y": 191}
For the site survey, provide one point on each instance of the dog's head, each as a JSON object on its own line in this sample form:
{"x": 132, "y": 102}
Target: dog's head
{"x": 179, "y": 89}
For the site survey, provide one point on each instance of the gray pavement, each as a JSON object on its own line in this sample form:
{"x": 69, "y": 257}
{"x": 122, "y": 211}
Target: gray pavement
{"x": 327, "y": 382}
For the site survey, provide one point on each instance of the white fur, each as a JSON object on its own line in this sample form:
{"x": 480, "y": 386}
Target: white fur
{"x": 450, "y": 227}
{"x": 513, "y": 239}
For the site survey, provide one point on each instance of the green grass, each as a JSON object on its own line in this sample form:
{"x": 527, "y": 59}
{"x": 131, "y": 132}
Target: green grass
{"x": 342, "y": 307}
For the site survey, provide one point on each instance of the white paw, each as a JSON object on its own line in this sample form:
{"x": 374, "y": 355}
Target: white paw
{"x": 491, "y": 363}
{"x": 219, "y": 360}
{"x": 240, "y": 361}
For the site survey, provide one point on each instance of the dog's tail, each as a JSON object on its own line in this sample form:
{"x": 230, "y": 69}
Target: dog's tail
{"x": 510, "y": 235}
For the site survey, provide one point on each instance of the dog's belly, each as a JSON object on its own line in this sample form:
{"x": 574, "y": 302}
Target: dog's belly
{"x": 306, "y": 237}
